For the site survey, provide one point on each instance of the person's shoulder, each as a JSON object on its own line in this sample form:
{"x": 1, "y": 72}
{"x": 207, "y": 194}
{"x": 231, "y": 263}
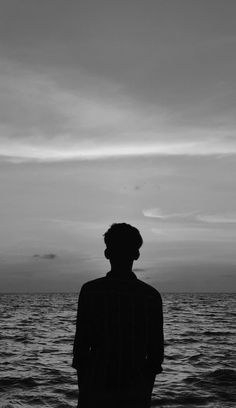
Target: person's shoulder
{"x": 148, "y": 289}
{"x": 93, "y": 284}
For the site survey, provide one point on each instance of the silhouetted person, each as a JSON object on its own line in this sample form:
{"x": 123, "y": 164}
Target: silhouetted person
{"x": 118, "y": 345}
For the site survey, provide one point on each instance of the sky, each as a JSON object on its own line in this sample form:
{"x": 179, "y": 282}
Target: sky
{"x": 117, "y": 111}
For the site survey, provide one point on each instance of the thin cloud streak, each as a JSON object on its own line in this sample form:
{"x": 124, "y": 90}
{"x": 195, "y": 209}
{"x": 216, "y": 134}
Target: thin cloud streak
{"x": 217, "y": 218}
{"x": 226, "y": 218}
{"x": 158, "y": 213}
{"x": 186, "y": 234}
{"x": 15, "y": 150}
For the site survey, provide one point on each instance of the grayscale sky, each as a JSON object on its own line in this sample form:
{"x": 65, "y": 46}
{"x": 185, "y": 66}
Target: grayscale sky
{"x": 117, "y": 111}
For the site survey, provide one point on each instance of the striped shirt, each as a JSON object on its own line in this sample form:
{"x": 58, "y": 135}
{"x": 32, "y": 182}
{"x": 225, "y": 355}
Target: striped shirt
{"x": 119, "y": 331}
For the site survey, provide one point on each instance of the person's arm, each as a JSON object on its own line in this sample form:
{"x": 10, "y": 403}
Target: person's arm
{"x": 82, "y": 339}
{"x": 155, "y": 355}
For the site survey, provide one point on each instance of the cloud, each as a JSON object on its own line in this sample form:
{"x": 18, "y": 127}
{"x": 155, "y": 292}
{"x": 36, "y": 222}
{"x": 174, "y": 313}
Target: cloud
{"x": 187, "y": 234}
{"x": 192, "y": 226}
{"x": 229, "y": 218}
{"x": 140, "y": 269}
{"x": 63, "y": 150}
{"x": 45, "y": 256}
{"x": 158, "y": 213}
{"x": 224, "y": 218}
{"x": 44, "y": 120}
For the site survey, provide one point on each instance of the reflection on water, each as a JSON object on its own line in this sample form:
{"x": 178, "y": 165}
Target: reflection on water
{"x": 36, "y": 337}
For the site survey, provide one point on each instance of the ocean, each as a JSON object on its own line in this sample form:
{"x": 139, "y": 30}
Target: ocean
{"x": 36, "y": 339}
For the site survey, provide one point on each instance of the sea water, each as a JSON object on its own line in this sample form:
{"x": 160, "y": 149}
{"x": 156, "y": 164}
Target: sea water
{"x": 36, "y": 339}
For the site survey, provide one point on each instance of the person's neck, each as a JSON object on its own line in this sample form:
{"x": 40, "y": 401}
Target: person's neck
{"x": 121, "y": 269}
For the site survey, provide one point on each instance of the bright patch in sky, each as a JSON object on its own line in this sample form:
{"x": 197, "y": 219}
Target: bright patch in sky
{"x": 117, "y": 112}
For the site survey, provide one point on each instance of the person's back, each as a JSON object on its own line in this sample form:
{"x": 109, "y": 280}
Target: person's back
{"x": 118, "y": 347}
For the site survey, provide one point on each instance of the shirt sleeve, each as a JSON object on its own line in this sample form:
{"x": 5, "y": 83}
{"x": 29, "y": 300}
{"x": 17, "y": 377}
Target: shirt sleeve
{"x": 155, "y": 355}
{"x": 81, "y": 345}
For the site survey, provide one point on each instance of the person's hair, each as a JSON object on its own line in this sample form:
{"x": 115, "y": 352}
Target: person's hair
{"x": 122, "y": 235}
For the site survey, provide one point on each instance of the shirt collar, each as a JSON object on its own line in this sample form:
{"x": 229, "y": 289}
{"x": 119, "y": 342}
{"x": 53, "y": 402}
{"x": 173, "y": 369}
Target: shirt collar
{"x": 127, "y": 276}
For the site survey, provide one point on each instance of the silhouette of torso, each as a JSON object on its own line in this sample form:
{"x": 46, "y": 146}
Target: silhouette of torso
{"x": 119, "y": 336}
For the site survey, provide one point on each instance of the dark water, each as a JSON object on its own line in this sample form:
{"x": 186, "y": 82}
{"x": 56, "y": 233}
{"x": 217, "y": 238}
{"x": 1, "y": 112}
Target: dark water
{"x": 36, "y": 336}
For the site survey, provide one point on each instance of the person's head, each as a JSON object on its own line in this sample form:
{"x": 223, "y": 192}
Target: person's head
{"x": 122, "y": 244}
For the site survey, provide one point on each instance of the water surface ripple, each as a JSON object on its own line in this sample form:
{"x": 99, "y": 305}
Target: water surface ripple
{"x": 36, "y": 337}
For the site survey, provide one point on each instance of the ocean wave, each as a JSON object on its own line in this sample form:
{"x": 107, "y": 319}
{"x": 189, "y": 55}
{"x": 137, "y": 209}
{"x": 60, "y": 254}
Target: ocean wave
{"x": 195, "y": 357}
{"x": 27, "y": 382}
{"x": 223, "y": 375}
{"x": 217, "y": 333}
{"x": 185, "y": 399}
{"x": 220, "y": 382}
